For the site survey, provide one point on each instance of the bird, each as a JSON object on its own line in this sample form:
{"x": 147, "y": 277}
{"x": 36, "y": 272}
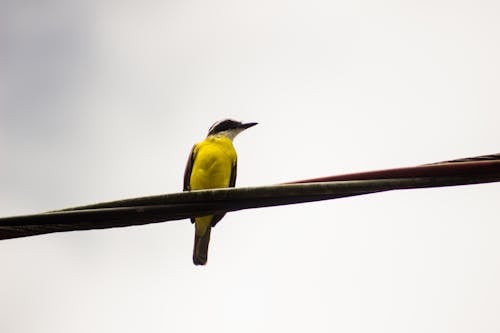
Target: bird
{"x": 212, "y": 163}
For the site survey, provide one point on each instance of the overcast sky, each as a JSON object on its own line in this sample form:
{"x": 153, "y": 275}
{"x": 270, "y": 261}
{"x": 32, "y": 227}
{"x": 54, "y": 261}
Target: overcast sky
{"x": 103, "y": 100}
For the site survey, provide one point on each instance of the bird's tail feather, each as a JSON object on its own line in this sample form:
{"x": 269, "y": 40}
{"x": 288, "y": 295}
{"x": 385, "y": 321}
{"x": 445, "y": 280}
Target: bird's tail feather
{"x": 200, "y": 250}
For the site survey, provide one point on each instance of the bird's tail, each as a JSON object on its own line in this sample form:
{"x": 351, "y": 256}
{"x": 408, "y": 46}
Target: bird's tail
{"x": 200, "y": 250}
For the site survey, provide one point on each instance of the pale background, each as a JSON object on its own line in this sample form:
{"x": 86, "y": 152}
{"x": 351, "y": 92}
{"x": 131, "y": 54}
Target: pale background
{"x": 102, "y": 100}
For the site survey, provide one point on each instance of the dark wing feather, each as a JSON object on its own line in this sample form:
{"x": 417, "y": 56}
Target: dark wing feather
{"x": 232, "y": 181}
{"x": 187, "y": 172}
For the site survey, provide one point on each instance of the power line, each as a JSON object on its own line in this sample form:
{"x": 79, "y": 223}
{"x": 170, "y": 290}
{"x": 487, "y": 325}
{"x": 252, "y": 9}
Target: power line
{"x": 175, "y": 206}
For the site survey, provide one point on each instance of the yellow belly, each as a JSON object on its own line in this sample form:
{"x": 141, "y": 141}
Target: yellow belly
{"x": 212, "y": 168}
{"x": 213, "y": 164}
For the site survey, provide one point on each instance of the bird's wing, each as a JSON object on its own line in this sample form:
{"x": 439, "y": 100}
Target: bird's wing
{"x": 232, "y": 183}
{"x": 187, "y": 172}
{"x": 189, "y": 169}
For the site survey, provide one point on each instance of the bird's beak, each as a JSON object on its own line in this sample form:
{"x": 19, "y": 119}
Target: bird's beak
{"x": 247, "y": 125}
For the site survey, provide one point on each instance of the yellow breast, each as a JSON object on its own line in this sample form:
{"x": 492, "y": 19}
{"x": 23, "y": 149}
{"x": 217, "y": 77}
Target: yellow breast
{"x": 213, "y": 163}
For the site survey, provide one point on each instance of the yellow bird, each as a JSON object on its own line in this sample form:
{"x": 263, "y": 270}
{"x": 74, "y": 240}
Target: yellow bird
{"x": 212, "y": 164}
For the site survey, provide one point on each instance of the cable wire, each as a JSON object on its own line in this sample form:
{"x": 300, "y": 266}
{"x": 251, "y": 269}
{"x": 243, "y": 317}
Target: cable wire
{"x": 175, "y": 206}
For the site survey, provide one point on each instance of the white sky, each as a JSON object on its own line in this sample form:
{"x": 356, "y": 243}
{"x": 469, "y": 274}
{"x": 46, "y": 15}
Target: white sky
{"x": 102, "y": 100}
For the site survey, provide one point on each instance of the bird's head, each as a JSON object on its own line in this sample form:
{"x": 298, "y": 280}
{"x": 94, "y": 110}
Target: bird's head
{"x": 229, "y": 128}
